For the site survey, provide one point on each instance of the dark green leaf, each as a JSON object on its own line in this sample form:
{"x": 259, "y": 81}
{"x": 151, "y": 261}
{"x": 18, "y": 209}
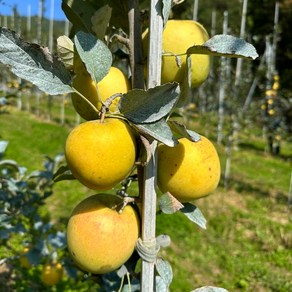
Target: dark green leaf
{"x": 164, "y": 270}
{"x": 140, "y": 106}
{"x": 34, "y": 256}
{"x": 63, "y": 173}
{"x": 34, "y": 63}
{"x": 94, "y": 53}
{"x": 57, "y": 240}
{"x": 168, "y": 204}
{"x": 194, "y": 214}
{"x": 183, "y": 131}
{"x": 41, "y": 174}
{"x": 100, "y": 21}
{"x": 79, "y": 13}
{"x": 159, "y": 131}
{"x": 227, "y": 46}
{"x": 186, "y": 85}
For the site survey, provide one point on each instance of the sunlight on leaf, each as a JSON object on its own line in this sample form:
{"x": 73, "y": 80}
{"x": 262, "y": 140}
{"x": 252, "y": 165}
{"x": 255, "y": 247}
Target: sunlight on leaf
{"x": 194, "y": 214}
{"x": 226, "y": 46}
{"x": 148, "y": 106}
{"x": 183, "y": 131}
{"x": 168, "y": 204}
{"x": 159, "y": 131}
{"x": 34, "y": 63}
{"x": 65, "y": 49}
{"x": 164, "y": 269}
{"x": 94, "y": 53}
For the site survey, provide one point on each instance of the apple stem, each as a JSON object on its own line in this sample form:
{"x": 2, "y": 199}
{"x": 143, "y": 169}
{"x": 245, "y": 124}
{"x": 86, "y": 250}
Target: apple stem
{"x": 106, "y": 105}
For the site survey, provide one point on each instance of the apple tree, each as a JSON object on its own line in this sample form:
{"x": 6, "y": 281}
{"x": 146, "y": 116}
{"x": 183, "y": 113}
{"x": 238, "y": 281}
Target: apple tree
{"x": 121, "y": 135}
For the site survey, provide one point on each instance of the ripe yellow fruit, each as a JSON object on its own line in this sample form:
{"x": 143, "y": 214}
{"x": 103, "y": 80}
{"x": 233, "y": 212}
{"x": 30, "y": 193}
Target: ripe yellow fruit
{"x": 276, "y": 85}
{"x": 101, "y": 154}
{"x": 52, "y": 273}
{"x": 190, "y": 170}
{"x": 83, "y": 83}
{"x": 270, "y": 101}
{"x": 23, "y": 259}
{"x": 276, "y": 77}
{"x": 271, "y": 92}
{"x": 114, "y": 82}
{"x": 178, "y": 36}
{"x": 100, "y": 239}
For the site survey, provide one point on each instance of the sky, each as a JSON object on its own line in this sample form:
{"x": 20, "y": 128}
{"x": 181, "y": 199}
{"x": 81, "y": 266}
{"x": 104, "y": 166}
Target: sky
{"x": 23, "y": 8}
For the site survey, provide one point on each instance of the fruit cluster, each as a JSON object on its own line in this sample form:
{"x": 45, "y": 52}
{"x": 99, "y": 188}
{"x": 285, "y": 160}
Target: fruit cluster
{"x": 102, "y": 152}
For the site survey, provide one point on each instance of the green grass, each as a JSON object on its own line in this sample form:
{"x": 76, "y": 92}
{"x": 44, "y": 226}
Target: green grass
{"x": 248, "y": 241}
{"x": 30, "y": 139}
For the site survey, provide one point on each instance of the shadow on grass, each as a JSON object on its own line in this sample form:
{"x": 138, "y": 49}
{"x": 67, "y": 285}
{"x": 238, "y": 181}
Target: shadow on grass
{"x": 258, "y": 191}
{"x": 251, "y": 146}
{"x": 260, "y": 149}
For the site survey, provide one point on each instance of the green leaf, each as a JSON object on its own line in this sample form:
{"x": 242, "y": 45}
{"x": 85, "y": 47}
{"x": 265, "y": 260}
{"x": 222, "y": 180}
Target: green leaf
{"x": 159, "y": 131}
{"x": 183, "y": 131}
{"x": 226, "y": 46}
{"x": 34, "y": 63}
{"x": 168, "y": 204}
{"x": 100, "y": 21}
{"x": 148, "y": 106}
{"x": 63, "y": 173}
{"x": 66, "y": 51}
{"x": 194, "y": 214}
{"x": 164, "y": 270}
{"x": 94, "y": 53}
{"x": 209, "y": 289}
{"x": 186, "y": 85}
{"x": 79, "y": 13}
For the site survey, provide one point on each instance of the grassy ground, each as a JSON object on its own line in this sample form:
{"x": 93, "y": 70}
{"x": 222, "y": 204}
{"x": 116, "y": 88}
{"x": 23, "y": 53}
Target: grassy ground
{"x": 248, "y": 241}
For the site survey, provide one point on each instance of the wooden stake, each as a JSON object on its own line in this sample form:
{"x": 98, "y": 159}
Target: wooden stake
{"x": 242, "y": 34}
{"x": 275, "y": 36}
{"x": 28, "y": 22}
{"x": 149, "y": 190}
{"x": 40, "y": 17}
{"x": 195, "y": 11}
{"x": 222, "y": 86}
{"x": 51, "y": 26}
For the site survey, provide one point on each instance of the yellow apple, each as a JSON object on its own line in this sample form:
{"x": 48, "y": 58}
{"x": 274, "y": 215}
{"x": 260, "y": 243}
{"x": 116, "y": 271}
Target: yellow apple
{"x": 178, "y": 36}
{"x": 100, "y": 154}
{"x": 101, "y": 239}
{"x": 52, "y": 274}
{"x": 190, "y": 170}
{"x": 114, "y": 82}
{"x": 23, "y": 259}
